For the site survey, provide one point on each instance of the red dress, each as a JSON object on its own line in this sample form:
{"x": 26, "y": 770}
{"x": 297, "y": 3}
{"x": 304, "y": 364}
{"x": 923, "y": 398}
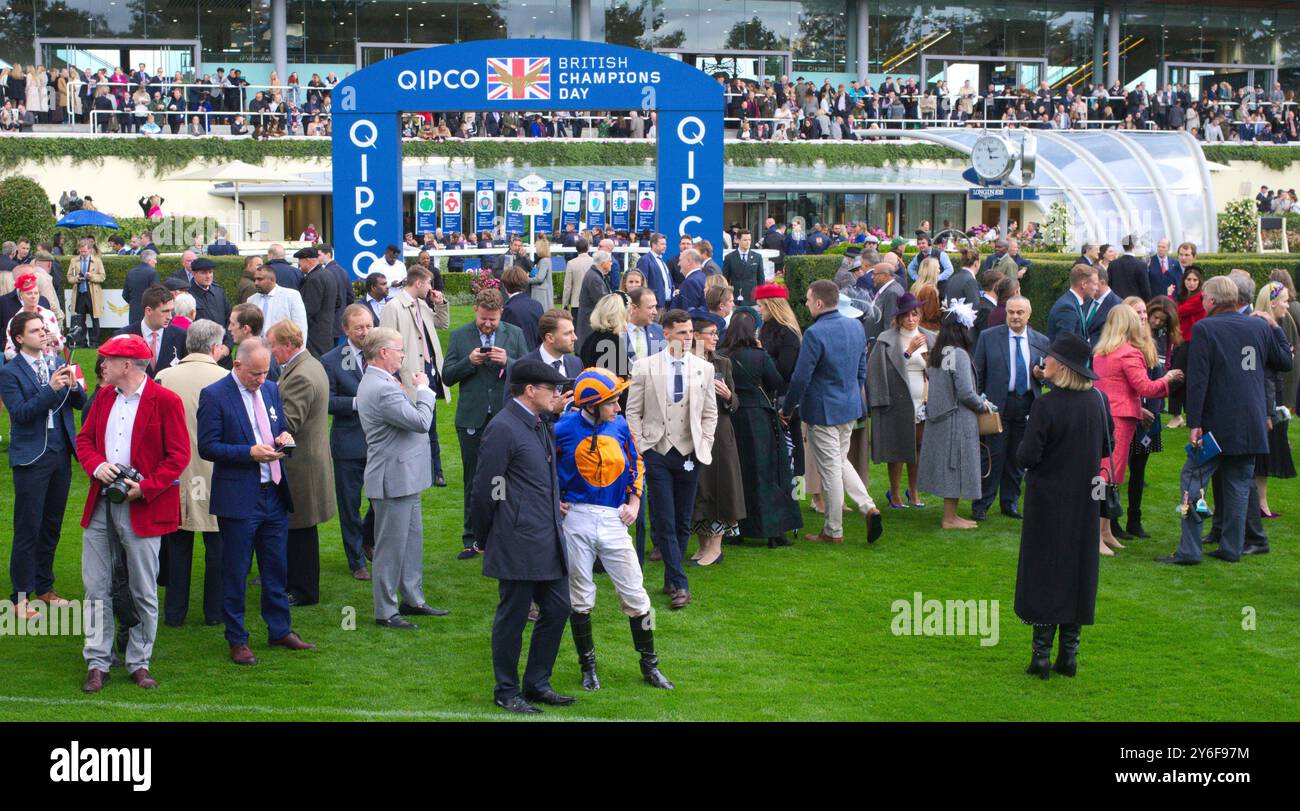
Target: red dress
{"x": 1189, "y": 312}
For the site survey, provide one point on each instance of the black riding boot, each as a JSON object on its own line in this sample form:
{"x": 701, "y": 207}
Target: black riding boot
{"x": 1067, "y": 652}
{"x": 586, "y": 645}
{"x": 643, "y": 639}
{"x": 1041, "y": 663}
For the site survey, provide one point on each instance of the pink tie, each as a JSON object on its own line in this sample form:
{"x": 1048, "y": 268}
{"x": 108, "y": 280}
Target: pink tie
{"x": 264, "y": 428}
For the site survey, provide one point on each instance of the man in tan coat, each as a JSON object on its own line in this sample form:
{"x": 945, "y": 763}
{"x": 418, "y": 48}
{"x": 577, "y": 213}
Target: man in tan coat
{"x": 197, "y": 370}
{"x": 86, "y": 281}
{"x": 574, "y": 272}
{"x": 305, "y": 390}
{"x": 418, "y": 323}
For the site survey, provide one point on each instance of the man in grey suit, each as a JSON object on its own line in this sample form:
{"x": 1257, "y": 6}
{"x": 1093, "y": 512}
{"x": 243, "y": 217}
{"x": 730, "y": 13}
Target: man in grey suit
{"x": 397, "y": 472}
{"x": 595, "y": 286}
{"x": 1007, "y": 359}
{"x": 962, "y": 283}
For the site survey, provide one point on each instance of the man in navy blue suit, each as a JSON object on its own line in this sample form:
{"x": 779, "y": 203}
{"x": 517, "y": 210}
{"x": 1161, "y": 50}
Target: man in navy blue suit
{"x": 165, "y": 341}
{"x": 1076, "y": 310}
{"x": 1164, "y": 271}
{"x": 521, "y": 309}
{"x": 344, "y": 366}
{"x": 1006, "y": 362}
{"x": 1225, "y": 398}
{"x": 690, "y": 295}
{"x": 558, "y": 338}
{"x": 40, "y": 392}
{"x": 654, "y": 268}
{"x": 241, "y": 428}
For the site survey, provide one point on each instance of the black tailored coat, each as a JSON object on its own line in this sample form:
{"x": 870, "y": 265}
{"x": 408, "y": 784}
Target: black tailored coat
{"x": 1056, "y": 580}
{"x": 319, "y": 297}
{"x": 515, "y": 500}
{"x": 171, "y": 348}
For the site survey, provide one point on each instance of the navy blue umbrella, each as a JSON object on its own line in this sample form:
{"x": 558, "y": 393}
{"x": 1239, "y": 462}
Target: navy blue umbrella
{"x": 85, "y": 219}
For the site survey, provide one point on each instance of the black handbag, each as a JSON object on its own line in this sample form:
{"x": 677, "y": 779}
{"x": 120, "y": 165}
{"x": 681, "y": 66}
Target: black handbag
{"x": 1111, "y": 508}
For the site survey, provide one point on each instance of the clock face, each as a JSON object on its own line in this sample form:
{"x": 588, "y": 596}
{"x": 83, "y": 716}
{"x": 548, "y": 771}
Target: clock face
{"x": 990, "y": 157}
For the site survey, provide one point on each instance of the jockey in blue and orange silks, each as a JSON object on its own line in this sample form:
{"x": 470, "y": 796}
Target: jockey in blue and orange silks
{"x": 601, "y": 483}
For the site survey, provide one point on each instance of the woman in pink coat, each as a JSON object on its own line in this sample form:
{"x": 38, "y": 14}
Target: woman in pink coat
{"x": 1123, "y": 355}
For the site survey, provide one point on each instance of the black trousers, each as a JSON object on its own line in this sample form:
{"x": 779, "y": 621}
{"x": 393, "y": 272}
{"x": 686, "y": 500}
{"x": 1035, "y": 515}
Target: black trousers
{"x": 349, "y": 476}
{"x": 1137, "y": 478}
{"x": 1004, "y": 477}
{"x": 552, "y": 598}
{"x": 40, "y": 496}
{"x": 469, "y": 443}
{"x": 435, "y": 449}
{"x": 303, "y": 565}
{"x": 180, "y": 558}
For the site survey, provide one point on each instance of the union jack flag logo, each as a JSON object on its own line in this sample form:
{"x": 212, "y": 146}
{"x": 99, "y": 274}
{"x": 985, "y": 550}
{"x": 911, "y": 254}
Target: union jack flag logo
{"x": 519, "y": 78}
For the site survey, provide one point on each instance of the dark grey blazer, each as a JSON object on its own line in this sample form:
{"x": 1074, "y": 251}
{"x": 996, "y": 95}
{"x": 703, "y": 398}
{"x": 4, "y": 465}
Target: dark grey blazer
{"x": 515, "y": 501}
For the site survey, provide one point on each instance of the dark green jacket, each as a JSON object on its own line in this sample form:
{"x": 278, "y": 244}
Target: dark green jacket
{"x": 481, "y": 388}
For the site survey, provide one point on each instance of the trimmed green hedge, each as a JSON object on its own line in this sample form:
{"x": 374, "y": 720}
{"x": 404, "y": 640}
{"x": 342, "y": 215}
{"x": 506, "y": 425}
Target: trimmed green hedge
{"x": 1279, "y": 158}
{"x": 164, "y": 156}
{"x": 1045, "y": 282}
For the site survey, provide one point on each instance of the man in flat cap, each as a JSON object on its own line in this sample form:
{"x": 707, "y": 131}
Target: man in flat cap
{"x": 210, "y": 300}
{"x": 319, "y": 291}
{"x": 126, "y": 515}
{"x": 515, "y": 510}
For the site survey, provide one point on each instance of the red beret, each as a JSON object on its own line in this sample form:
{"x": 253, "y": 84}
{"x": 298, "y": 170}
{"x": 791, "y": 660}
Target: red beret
{"x": 26, "y": 282}
{"x": 771, "y": 291}
{"x": 126, "y": 346}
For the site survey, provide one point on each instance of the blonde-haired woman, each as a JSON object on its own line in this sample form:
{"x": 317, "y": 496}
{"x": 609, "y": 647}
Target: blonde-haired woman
{"x": 608, "y": 324}
{"x": 1123, "y": 355}
{"x": 541, "y": 285}
{"x": 926, "y": 288}
{"x": 1275, "y": 299}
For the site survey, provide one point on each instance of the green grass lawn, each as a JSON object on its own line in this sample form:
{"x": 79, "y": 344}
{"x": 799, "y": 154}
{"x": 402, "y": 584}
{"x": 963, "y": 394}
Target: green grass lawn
{"x": 799, "y": 633}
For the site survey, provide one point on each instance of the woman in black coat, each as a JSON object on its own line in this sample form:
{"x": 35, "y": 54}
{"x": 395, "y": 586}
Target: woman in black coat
{"x": 780, "y": 338}
{"x": 1056, "y": 581}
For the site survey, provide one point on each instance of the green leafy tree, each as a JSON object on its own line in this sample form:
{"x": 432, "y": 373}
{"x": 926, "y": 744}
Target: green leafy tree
{"x": 24, "y": 210}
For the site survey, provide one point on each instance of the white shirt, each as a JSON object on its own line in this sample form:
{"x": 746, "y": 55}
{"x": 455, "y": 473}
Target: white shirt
{"x": 121, "y": 426}
{"x": 550, "y": 359}
{"x": 282, "y": 303}
{"x": 250, "y": 406}
{"x": 1024, "y": 353}
{"x": 376, "y": 305}
{"x": 395, "y": 272}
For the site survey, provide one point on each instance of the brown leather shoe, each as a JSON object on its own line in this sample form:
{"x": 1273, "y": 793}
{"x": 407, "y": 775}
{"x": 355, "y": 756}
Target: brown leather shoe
{"x": 94, "y": 681}
{"x": 293, "y": 642}
{"x": 681, "y": 599}
{"x": 52, "y": 597}
{"x": 361, "y": 574}
{"x": 242, "y": 655}
{"x": 654, "y": 554}
{"x": 822, "y": 537}
{"x": 143, "y": 680}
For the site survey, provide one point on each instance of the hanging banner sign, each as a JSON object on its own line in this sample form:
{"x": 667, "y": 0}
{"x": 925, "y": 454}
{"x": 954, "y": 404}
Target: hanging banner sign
{"x": 426, "y": 206}
{"x": 571, "y": 205}
{"x": 544, "y": 220}
{"x": 514, "y": 209}
{"x": 646, "y": 204}
{"x": 620, "y": 205}
{"x": 485, "y": 205}
{"x": 451, "y": 207}
{"x": 596, "y": 204}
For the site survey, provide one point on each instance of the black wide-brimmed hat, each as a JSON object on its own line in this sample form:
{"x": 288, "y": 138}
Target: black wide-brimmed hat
{"x": 1074, "y": 353}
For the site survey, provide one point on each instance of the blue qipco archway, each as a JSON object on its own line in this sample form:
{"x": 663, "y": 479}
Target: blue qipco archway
{"x": 526, "y": 76}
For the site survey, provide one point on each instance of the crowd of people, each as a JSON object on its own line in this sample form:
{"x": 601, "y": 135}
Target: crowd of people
{"x": 151, "y": 103}
{"x": 801, "y": 110}
{"x": 670, "y": 397}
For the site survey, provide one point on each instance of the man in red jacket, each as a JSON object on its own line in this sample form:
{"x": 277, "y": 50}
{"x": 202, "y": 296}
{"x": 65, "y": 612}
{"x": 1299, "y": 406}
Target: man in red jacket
{"x": 134, "y": 425}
